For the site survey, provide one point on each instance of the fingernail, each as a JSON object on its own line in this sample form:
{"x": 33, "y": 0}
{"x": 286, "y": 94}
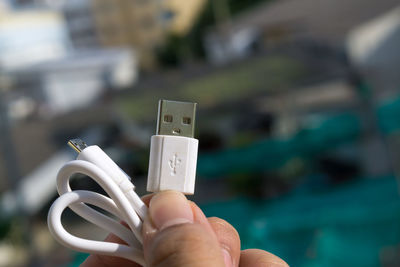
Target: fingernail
{"x": 170, "y": 208}
{"x": 227, "y": 258}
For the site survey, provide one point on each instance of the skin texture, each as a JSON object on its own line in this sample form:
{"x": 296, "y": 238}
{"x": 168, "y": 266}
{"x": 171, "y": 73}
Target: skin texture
{"x": 177, "y": 233}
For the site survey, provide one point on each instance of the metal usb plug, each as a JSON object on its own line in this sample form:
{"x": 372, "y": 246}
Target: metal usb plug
{"x": 176, "y": 118}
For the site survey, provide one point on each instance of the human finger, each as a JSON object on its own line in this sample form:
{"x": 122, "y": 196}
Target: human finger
{"x": 228, "y": 239}
{"x": 172, "y": 237}
{"x": 260, "y": 258}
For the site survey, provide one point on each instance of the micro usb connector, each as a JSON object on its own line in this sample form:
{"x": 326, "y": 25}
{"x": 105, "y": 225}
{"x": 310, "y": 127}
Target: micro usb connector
{"x": 77, "y": 144}
{"x": 176, "y": 118}
{"x": 173, "y": 150}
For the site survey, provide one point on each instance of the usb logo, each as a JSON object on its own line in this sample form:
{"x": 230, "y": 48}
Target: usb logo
{"x": 173, "y": 164}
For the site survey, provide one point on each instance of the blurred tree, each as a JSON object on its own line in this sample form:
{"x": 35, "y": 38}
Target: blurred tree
{"x": 178, "y": 48}
{"x": 172, "y": 52}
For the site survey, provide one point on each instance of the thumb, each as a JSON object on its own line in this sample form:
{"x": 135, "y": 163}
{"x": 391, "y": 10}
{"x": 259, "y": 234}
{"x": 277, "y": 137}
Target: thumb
{"x": 172, "y": 237}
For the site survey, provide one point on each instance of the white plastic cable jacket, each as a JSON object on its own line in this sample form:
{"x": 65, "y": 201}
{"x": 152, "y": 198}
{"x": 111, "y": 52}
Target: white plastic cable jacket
{"x": 123, "y": 202}
{"x": 172, "y": 166}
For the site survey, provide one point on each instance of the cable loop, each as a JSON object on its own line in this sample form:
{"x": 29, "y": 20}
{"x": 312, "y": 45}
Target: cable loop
{"x": 120, "y": 204}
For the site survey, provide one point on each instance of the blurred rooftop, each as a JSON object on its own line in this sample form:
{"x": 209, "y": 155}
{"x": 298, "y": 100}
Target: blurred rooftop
{"x": 323, "y": 19}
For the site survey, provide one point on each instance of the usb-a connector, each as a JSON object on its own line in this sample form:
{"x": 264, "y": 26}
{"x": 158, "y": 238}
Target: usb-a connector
{"x": 176, "y": 118}
{"x": 173, "y": 150}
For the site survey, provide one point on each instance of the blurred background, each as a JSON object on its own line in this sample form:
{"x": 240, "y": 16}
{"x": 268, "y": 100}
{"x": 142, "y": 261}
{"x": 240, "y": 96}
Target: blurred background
{"x": 298, "y": 119}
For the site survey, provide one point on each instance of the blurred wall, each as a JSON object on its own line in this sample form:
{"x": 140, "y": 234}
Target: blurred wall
{"x": 28, "y": 37}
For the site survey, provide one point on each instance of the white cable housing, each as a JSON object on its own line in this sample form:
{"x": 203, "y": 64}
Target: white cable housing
{"x": 172, "y": 164}
{"x": 122, "y": 202}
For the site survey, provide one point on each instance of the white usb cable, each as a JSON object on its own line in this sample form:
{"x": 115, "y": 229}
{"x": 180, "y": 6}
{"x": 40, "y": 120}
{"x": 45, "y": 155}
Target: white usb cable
{"x": 172, "y": 166}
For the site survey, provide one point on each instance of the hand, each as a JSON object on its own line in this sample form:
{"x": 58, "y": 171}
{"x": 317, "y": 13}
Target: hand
{"x": 177, "y": 233}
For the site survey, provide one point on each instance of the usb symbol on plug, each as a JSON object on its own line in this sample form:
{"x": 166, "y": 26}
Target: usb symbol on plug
{"x": 173, "y": 164}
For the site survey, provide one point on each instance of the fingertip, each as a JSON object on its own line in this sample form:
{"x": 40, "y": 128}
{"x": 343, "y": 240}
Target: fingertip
{"x": 227, "y": 237}
{"x": 200, "y": 217}
{"x": 177, "y": 233}
{"x": 169, "y": 208}
{"x": 260, "y": 258}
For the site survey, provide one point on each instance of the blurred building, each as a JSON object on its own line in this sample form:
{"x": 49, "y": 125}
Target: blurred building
{"x": 119, "y": 23}
{"x": 139, "y": 24}
{"x": 73, "y": 82}
{"x": 129, "y": 23}
{"x": 374, "y": 47}
{"x": 31, "y": 36}
{"x": 80, "y": 22}
{"x": 43, "y": 72}
{"x": 179, "y": 16}
{"x": 274, "y": 22}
